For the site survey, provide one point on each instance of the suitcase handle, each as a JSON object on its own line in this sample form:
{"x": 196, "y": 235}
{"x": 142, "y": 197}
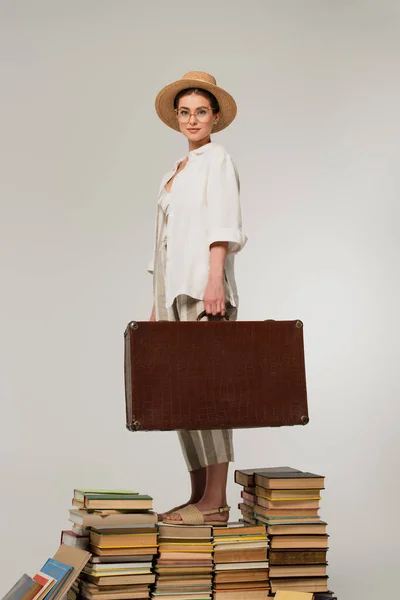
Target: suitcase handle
{"x": 218, "y": 317}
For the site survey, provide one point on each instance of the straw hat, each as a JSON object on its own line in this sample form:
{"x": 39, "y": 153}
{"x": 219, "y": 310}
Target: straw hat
{"x": 195, "y": 79}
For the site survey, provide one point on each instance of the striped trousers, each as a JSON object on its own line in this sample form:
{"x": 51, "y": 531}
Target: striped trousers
{"x": 201, "y": 448}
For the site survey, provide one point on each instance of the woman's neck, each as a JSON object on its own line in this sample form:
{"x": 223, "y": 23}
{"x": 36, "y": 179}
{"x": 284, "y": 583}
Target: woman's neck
{"x": 193, "y": 145}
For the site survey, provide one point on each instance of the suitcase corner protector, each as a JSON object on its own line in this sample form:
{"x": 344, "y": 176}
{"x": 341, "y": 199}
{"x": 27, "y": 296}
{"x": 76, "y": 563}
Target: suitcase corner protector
{"x": 299, "y": 324}
{"x": 134, "y": 426}
{"x": 304, "y": 420}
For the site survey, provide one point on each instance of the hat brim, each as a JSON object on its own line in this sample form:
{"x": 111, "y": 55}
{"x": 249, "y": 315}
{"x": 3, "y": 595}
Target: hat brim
{"x": 164, "y": 102}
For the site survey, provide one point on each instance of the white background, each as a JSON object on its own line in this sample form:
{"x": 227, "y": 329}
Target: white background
{"x": 82, "y": 151}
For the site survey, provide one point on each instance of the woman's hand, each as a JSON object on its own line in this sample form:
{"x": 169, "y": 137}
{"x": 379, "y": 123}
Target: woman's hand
{"x": 214, "y": 296}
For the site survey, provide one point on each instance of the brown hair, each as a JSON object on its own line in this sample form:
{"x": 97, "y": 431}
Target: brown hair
{"x": 212, "y": 99}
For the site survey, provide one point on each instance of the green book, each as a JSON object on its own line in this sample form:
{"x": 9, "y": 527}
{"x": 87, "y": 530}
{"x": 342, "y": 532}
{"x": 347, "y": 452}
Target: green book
{"x": 80, "y": 493}
{"x": 134, "y": 496}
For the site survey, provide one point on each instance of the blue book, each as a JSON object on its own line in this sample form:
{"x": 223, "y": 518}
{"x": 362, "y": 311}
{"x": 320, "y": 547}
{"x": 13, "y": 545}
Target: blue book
{"x": 59, "y": 571}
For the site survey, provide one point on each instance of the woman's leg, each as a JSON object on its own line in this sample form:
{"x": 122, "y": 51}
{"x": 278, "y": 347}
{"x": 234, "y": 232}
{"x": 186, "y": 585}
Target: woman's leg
{"x": 198, "y": 476}
{"x": 210, "y": 450}
{"x": 198, "y": 473}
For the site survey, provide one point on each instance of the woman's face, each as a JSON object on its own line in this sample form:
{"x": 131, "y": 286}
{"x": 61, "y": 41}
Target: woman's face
{"x": 201, "y": 120}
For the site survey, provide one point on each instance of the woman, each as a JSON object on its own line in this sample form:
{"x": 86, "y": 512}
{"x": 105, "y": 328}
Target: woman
{"x": 198, "y": 233}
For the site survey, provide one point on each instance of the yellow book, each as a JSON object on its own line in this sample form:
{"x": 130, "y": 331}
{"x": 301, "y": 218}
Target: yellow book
{"x": 281, "y": 595}
{"x": 276, "y": 499}
{"x": 120, "y": 546}
{"x": 168, "y": 550}
{"x": 242, "y": 538}
{"x": 186, "y": 545}
{"x": 114, "y": 573}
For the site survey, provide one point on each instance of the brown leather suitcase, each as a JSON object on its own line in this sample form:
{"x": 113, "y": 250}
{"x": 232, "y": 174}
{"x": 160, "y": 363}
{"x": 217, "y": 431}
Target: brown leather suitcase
{"x": 214, "y": 375}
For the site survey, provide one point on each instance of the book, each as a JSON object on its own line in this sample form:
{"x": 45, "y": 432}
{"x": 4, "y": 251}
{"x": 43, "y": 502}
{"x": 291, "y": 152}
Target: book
{"x": 59, "y": 571}
{"x": 285, "y": 595}
{"x": 299, "y": 541}
{"x": 287, "y": 520}
{"x": 85, "y": 519}
{"x": 126, "y": 551}
{"x": 106, "y": 580}
{"x": 180, "y": 531}
{"x": 240, "y": 555}
{"x": 123, "y": 537}
{"x": 24, "y": 589}
{"x": 248, "y": 575}
{"x": 237, "y": 528}
{"x": 121, "y": 558}
{"x": 80, "y": 493}
{"x": 119, "y": 566}
{"x": 297, "y": 529}
{"x": 301, "y": 584}
{"x": 75, "y": 559}
{"x": 239, "y": 585}
{"x": 246, "y": 477}
{"x": 285, "y": 512}
{"x": 133, "y": 502}
{"x": 70, "y": 538}
{"x": 297, "y": 571}
{"x": 46, "y": 583}
{"x": 246, "y": 594}
{"x": 285, "y": 504}
{"x": 297, "y": 557}
{"x": 241, "y": 566}
{"x": 289, "y": 480}
{"x": 135, "y": 593}
{"x": 296, "y": 494}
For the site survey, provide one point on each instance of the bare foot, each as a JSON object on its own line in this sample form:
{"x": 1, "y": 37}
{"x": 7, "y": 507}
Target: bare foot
{"x": 203, "y": 506}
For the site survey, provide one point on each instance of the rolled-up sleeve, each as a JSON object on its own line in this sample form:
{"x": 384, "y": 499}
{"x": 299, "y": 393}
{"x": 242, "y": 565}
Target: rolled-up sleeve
{"x": 224, "y": 215}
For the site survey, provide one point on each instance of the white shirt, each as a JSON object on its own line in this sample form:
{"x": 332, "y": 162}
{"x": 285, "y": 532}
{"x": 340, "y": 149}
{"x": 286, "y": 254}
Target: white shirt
{"x": 204, "y": 208}
{"x": 164, "y": 201}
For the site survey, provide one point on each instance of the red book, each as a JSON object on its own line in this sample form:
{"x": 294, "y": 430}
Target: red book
{"x": 46, "y": 582}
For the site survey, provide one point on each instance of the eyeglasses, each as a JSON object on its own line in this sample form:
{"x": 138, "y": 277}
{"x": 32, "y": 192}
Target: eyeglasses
{"x": 201, "y": 114}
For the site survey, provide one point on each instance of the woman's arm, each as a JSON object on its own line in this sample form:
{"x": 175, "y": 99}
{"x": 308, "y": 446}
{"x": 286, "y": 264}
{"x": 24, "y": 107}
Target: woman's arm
{"x": 224, "y": 224}
{"x": 224, "y": 213}
{"x": 214, "y": 294}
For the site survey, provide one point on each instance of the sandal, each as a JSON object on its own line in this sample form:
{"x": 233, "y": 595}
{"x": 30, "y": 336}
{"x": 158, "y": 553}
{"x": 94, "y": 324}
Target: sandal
{"x": 171, "y": 510}
{"x": 191, "y": 515}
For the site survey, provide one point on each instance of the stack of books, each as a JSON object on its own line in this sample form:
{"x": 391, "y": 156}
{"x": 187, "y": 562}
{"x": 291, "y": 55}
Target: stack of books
{"x": 119, "y": 529}
{"x": 240, "y": 562}
{"x": 286, "y": 501}
{"x": 184, "y": 564}
{"x": 246, "y": 478}
{"x": 110, "y": 508}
